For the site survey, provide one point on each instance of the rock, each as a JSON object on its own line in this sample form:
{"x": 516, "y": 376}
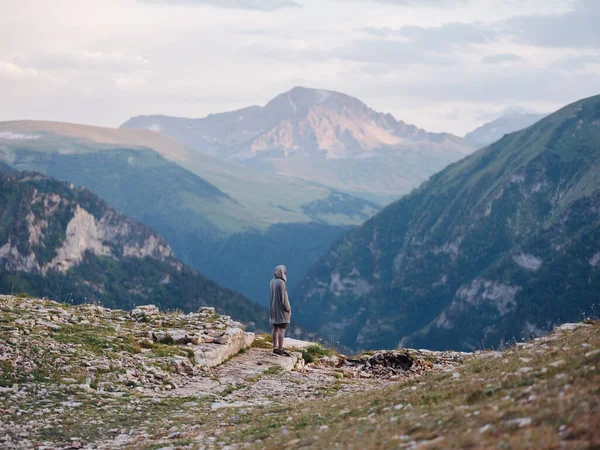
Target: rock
{"x": 592, "y": 353}
{"x": 521, "y": 422}
{"x": 178, "y": 336}
{"x": 182, "y": 365}
{"x": 145, "y": 313}
{"x": 207, "y": 355}
{"x": 485, "y": 428}
{"x": 222, "y": 340}
{"x": 572, "y": 326}
{"x": 160, "y": 336}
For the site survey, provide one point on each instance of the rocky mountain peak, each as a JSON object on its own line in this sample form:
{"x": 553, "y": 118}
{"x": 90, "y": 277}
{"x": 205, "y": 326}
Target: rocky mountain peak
{"x": 300, "y": 100}
{"x": 358, "y": 150}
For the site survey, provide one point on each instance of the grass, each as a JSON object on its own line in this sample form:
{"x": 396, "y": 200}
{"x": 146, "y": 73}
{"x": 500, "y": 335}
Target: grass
{"x": 263, "y": 341}
{"x": 457, "y": 411}
{"x": 96, "y": 340}
{"x": 314, "y": 352}
{"x": 272, "y": 370}
{"x": 231, "y": 388}
{"x": 488, "y": 402}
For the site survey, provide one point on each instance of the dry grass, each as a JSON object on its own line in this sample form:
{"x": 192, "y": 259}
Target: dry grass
{"x": 495, "y": 401}
{"x": 164, "y": 145}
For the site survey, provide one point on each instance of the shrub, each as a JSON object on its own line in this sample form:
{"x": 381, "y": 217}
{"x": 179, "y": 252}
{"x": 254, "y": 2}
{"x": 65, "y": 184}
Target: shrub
{"x": 315, "y": 351}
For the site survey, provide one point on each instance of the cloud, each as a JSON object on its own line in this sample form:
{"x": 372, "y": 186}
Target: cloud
{"x": 85, "y": 59}
{"x": 437, "y": 38}
{"x": 416, "y": 45}
{"x": 15, "y": 72}
{"x": 390, "y": 52}
{"x": 255, "y": 5}
{"x": 578, "y": 28}
{"x": 574, "y": 62}
{"x": 501, "y": 58}
{"x": 519, "y": 86}
{"x": 443, "y": 3}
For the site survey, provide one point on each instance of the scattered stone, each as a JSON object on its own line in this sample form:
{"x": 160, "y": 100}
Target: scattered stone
{"x": 572, "y": 326}
{"x": 521, "y": 422}
{"x": 592, "y": 353}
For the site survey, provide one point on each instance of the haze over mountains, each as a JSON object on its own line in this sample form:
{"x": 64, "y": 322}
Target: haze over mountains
{"x": 475, "y": 256}
{"x": 509, "y": 122}
{"x": 498, "y": 246}
{"x": 323, "y": 136}
{"x": 216, "y": 216}
{"x": 65, "y": 243}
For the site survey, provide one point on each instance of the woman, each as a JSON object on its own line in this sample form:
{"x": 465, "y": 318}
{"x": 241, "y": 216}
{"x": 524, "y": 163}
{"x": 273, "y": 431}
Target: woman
{"x": 280, "y": 311}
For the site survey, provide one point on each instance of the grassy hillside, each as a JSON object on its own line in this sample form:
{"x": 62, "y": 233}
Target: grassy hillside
{"x": 500, "y": 245}
{"x": 65, "y": 243}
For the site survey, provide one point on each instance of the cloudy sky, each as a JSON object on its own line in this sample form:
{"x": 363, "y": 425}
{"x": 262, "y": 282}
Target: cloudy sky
{"x": 444, "y": 65}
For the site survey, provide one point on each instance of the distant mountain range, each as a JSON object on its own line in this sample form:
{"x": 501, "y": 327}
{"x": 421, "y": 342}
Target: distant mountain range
{"x": 322, "y": 136}
{"x": 231, "y": 223}
{"x": 499, "y": 246}
{"x": 508, "y": 122}
{"x": 65, "y": 243}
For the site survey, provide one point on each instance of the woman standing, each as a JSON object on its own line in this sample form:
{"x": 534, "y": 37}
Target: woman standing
{"x": 280, "y": 311}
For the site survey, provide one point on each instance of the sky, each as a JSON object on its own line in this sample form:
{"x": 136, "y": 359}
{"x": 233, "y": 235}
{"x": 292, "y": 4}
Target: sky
{"x": 443, "y": 65}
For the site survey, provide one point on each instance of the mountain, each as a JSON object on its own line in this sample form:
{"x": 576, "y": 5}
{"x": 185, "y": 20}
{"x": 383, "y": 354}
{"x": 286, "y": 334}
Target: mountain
{"x": 64, "y": 242}
{"x": 509, "y": 122}
{"x": 496, "y": 247}
{"x": 322, "y": 136}
{"x": 217, "y": 217}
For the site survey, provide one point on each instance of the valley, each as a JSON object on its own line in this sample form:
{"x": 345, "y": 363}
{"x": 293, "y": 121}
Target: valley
{"x": 498, "y": 247}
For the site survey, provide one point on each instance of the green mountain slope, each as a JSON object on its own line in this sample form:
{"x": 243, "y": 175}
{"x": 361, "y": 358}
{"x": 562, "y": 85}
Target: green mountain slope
{"x": 498, "y": 246}
{"x": 66, "y": 243}
{"x": 201, "y": 206}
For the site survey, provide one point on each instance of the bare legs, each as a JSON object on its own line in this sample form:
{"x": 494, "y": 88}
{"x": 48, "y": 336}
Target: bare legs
{"x": 278, "y": 338}
{"x": 281, "y": 337}
{"x": 275, "y": 337}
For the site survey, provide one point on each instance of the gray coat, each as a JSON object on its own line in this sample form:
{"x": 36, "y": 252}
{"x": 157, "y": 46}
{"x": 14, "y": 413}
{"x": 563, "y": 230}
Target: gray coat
{"x": 280, "y": 311}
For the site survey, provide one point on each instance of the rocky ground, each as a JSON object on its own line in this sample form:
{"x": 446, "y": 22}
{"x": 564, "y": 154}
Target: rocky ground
{"x": 89, "y": 377}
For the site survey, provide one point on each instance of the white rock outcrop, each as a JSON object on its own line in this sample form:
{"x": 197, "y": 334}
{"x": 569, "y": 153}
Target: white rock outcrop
{"x": 528, "y": 261}
{"x": 82, "y": 235}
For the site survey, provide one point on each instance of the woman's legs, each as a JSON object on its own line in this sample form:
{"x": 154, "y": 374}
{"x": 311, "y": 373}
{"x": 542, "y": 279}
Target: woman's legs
{"x": 275, "y": 337}
{"x": 281, "y": 338}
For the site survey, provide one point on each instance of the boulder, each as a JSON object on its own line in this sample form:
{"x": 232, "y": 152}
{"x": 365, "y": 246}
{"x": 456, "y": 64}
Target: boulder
{"x": 179, "y": 336}
{"x": 182, "y": 365}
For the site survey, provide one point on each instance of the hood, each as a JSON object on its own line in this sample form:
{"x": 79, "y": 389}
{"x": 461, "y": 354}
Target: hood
{"x": 280, "y": 272}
